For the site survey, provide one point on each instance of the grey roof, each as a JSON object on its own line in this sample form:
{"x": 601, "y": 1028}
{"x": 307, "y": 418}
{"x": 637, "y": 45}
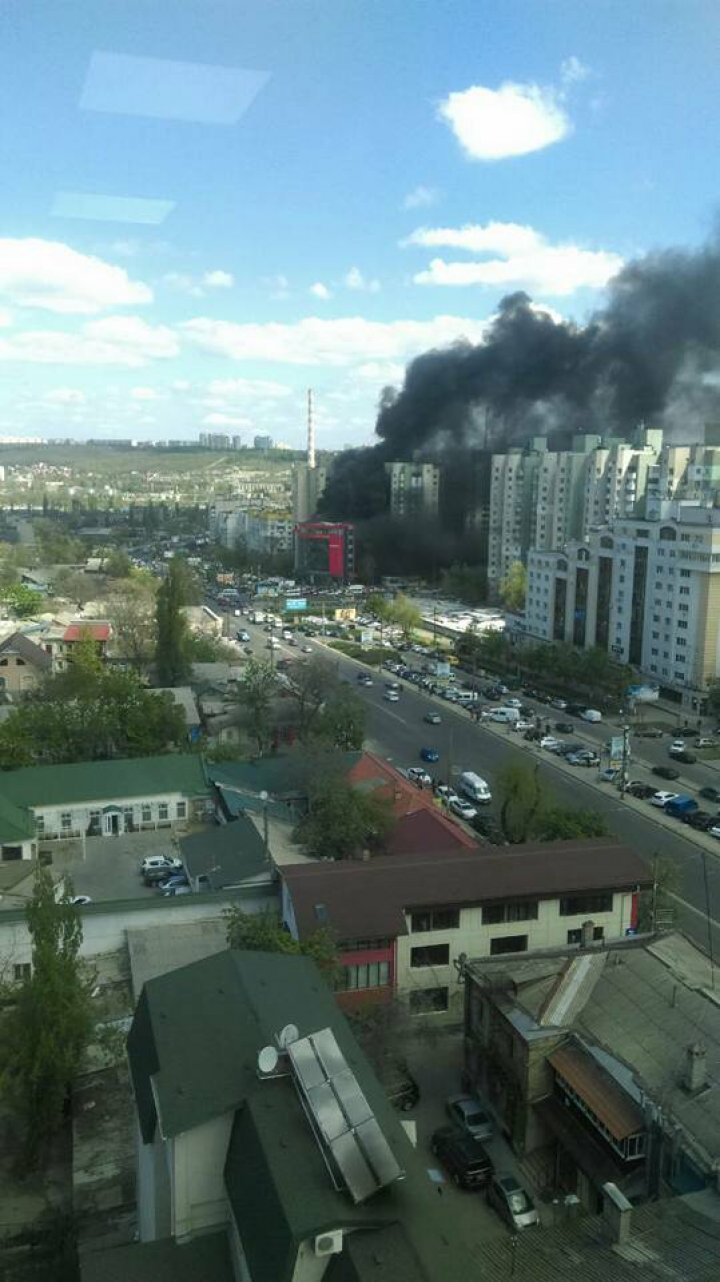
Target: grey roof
{"x": 201, "y": 1259}
{"x": 227, "y": 854}
{"x": 18, "y": 643}
{"x": 185, "y": 699}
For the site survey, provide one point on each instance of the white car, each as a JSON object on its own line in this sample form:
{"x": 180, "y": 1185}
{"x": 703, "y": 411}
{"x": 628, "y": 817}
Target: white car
{"x": 79, "y": 901}
{"x": 513, "y": 703}
{"x": 462, "y": 808}
{"x": 152, "y": 862}
{"x": 662, "y": 798}
{"x": 550, "y": 742}
{"x": 714, "y": 831}
{"x": 418, "y": 775}
{"x": 677, "y": 745}
{"x": 447, "y": 794}
{"x": 522, "y": 726}
{"x": 392, "y": 696}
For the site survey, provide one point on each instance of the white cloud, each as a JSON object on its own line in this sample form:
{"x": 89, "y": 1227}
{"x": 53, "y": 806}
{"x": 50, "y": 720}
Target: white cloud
{"x": 144, "y": 394}
{"x": 65, "y": 396}
{"x": 313, "y": 341}
{"x": 226, "y": 420}
{"x": 572, "y": 71}
{"x": 250, "y": 389}
{"x": 218, "y": 280}
{"x": 318, "y": 290}
{"x": 555, "y": 270}
{"x": 381, "y": 372}
{"x": 499, "y": 238}
{"x": 420, "y": 197}
{"x": 115, "y": 340}
{"x": 181, "y": 385}
{"x": 513, "y": 120}
{"x": 50, "y": 275}
{"x": 6, "y": 319}
{"x": 354, "y": 279}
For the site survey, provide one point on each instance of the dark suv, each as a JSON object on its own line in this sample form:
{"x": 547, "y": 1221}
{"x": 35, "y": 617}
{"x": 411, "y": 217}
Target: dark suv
{"x": 463, "y": 1157}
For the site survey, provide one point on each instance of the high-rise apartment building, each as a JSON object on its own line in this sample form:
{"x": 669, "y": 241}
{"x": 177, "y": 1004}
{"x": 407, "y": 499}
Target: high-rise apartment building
{"x": 308, "y": 484}
{"x": 414, "y": 489}
{"x": 647, "y": 591}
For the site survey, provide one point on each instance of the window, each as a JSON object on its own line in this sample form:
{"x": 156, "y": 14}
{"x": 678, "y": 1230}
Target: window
{"x": 435, "y": 919}
{"x": 432, "y": 955}
{"x": 520, "y": 910}
{"x": 40, "y": 825}
{"x": 508, "y": 944}
{"x": 181, "y": 810}
{"x": 574, "y": 905}
{"x": 575, "y": 936}
{"x": 66, "y": 820}
{"x": 428, "y": 1001}
{"x": 147, "y": 814}
{"x": 22, "y": 971}
{"x": 366, "y": 975}
{"x": 163, "y": 810}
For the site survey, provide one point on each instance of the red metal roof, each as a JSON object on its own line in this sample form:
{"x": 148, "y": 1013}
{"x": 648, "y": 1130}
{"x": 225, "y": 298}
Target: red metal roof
{"x": 98, "y": 631}
{"x": 598, "y": 1090}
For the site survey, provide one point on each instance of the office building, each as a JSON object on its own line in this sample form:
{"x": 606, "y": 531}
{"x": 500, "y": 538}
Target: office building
{"x": 325, "y": 551}
{"x": 263, "y": 443}
{"x": 648, "y": 592}
{"x": 414, "y": 489}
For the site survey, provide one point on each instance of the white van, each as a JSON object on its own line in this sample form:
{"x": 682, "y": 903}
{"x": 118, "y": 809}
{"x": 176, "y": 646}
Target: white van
{"x": 474, "y": 787}
{"x": 591, "y": 714}
{"x": 506, "y": 715}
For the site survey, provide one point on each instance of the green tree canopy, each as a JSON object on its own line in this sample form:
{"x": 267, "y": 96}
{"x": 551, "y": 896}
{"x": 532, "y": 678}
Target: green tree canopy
{"x": 264, "y": 932}
{"x": 530, "y": 812}
{"x": 513, "y": 588}
{"x": 171, "y": 654}
{"x": 256, "y": 692}
{"x": 51, "y": 1021}
{"x": 23, "y": 601}
{"x": 341, "y": 722}
{"x": 342, "y": 822}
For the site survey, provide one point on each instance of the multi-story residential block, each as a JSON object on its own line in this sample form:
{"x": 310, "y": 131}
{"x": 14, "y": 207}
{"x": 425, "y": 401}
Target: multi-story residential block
{"x": 414, "y": 489}
{"x": 404, "y": 922}
{"x": 646, "y": 591}
{"x": 263, "y": 443}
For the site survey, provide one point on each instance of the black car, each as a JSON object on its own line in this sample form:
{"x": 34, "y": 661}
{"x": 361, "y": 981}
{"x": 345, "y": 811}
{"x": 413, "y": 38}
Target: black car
{"x": 648, "y": 732}
{"x": 641, "y": 790}
{"x": 463, "y": 1157}
{"x": 564, "y": 727}
{"x": 700, "y": 819}
{"x": 710, "y": 794}
{"x": 687, "y": 758}
{"x": 666, "y": 772}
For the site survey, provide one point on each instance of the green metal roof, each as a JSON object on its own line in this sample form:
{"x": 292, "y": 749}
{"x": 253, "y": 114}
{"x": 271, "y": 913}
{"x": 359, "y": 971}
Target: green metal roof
{"x": 104, "y": 780}
{"x": 278, "y": 775}
{"x": 16, "y": 822}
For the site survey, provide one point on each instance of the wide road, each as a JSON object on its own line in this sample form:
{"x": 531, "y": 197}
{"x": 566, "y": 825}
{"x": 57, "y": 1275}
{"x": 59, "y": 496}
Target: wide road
{"x": 396, "y": 731}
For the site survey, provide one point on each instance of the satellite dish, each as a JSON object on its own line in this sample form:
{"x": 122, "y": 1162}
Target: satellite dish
{"x": 267, "y": 1060}
{"x": 287, "y": 1035}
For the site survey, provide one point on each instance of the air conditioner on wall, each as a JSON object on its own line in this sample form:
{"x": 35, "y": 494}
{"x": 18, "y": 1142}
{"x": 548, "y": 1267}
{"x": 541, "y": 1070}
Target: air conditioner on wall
{"x": 329, "y": 1243}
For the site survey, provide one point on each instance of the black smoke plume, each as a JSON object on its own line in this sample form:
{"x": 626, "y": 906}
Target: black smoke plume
{"x": 651, "y": 354}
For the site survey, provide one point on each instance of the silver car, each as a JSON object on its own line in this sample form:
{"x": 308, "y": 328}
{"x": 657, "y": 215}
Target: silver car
{"x": 512, "y": 1202}
{"x": 468, "y": 1112}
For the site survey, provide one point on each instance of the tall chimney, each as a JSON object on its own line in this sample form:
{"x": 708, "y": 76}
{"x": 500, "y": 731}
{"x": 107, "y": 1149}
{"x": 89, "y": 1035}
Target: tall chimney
{"x": 310, "y": 431}
{"x": 695, "y": 1068}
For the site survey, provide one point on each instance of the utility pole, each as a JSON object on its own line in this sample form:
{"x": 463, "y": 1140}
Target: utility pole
{"x": 625, "y": 760}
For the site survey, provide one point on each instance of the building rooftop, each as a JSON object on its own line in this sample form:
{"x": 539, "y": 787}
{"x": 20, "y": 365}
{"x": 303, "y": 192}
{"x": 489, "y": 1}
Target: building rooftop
{"x": 104, "y": 780}
{"x": 18, "y": 643}
{"x": 370, "y": 897}
{"x": 203, "y": 1259}
{"x": 227, "y": 854}
{"x": 98, "y": 631}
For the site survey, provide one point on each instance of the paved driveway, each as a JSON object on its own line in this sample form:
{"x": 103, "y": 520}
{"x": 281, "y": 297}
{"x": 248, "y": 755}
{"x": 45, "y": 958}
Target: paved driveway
{"x": 110, "y": 867}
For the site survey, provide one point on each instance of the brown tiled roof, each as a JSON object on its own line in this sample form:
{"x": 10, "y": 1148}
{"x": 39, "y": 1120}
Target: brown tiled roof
{"x": 428, "y": 830}
{"x": 603, "y": 1096}
{"x": 21, "y": 645}
{"x": 364, "y": 898}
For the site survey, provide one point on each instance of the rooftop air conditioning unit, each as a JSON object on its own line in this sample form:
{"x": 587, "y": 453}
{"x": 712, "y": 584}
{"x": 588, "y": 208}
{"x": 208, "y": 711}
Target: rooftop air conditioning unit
{"x": 329, "y": 1243}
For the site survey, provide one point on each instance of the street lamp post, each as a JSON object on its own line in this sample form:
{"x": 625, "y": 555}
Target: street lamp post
{"x": 266, "y": 844}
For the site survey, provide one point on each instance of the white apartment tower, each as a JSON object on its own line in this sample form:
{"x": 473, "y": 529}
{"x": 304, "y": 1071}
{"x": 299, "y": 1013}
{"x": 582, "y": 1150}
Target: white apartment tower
{"x": 414, "y": 489}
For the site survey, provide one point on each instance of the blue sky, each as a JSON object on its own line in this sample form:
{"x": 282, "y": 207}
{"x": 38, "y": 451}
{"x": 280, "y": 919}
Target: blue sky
{"x": 210, "y": 205}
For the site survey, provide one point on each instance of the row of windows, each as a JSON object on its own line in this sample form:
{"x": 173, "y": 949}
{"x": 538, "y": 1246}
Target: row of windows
{"x": 631, "y": 1147}
{"x": 366, "y": 975}
{"x": 68, "y": 820}
{"x": 521, "y": 910}
{"x": 575, "y": 905}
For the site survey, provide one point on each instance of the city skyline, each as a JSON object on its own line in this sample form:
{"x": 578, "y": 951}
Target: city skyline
{"x": 213, "y": 208}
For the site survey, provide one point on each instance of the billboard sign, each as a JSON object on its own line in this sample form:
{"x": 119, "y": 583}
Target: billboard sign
{"x": 616, "y": 750}
{"x": 367, "y": 637}
{"x": 644, "y": 694}
{"x": 296, "y": 603}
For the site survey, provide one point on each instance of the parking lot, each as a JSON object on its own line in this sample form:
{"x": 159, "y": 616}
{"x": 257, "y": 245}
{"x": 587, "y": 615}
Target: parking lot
{"x": 109, "y": 867}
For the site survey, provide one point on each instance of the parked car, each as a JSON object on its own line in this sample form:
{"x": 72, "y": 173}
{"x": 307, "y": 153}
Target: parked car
{"x": 429, "y": 754}
{"x": 463, "y": 1157}
{"x": 512, "y": 1202}
{"x": 522, "y": 726}
{"x": 564, "y": 727}
{"x": 549, "y": 742}
{"x": 701, "y": 820}
{"x": 163, "y": 862}
{"x": 704, "y": 742}
{"x": 681, "y": 806}
{"x": 463, "y": 808}
{"x": 79, "y": 901}
{"x": 710, "y": 794}
{"x": 432, "y": 718}
{"x": 666, "y": 772}
{"x": 446, "y": 793}
{"x": 715, "y": 830}
{"x": 585, "y": 758}
{"x": 176, "y": 890}
{"x": 609, "y": 775}
{"x": 242, "y": 635}
{"x": 662, "y": 798}
{"x": 470, "y": 1114}
{"x": 638, "y": 789}
{"x": 418, "y": 775}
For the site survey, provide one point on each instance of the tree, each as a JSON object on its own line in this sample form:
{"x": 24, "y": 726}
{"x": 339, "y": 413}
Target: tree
{"x": 521, "y": 797}
{"x": 406, "y": 616}
{"x": 310, "y": 684}
{"x": 171, "y": 657}
{"x": 561, "y": 823}
{"x": 256, "y": 691}
{"x": 131, "y": 612}
{"x": 342, "y": 823}
{"x": 264, "y": 932}
{"x": 341, "y": 722}
{"x": 117, "y": 565}
{"x": 23, "y": 601}
{"x": 51, "y": 1023}
{"x": 657, "y": 903}
{"x": 74, "y": 585}
{"x": 513, "y": 588}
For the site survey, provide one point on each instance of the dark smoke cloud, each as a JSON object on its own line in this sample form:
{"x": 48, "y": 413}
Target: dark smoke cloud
{"x": 651, "y": 354}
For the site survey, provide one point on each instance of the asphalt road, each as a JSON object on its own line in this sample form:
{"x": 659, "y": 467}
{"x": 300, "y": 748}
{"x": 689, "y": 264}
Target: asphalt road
{"x": 396, "y": 731}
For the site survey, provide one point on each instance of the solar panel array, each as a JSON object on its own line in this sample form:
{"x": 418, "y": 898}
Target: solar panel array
{"x": 346, "y": 1127}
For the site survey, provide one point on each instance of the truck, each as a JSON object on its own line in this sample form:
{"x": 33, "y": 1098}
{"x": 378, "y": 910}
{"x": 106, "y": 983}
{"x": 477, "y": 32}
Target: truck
{"x": 474, "y": 787}
{"x": 506, "y": 715}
